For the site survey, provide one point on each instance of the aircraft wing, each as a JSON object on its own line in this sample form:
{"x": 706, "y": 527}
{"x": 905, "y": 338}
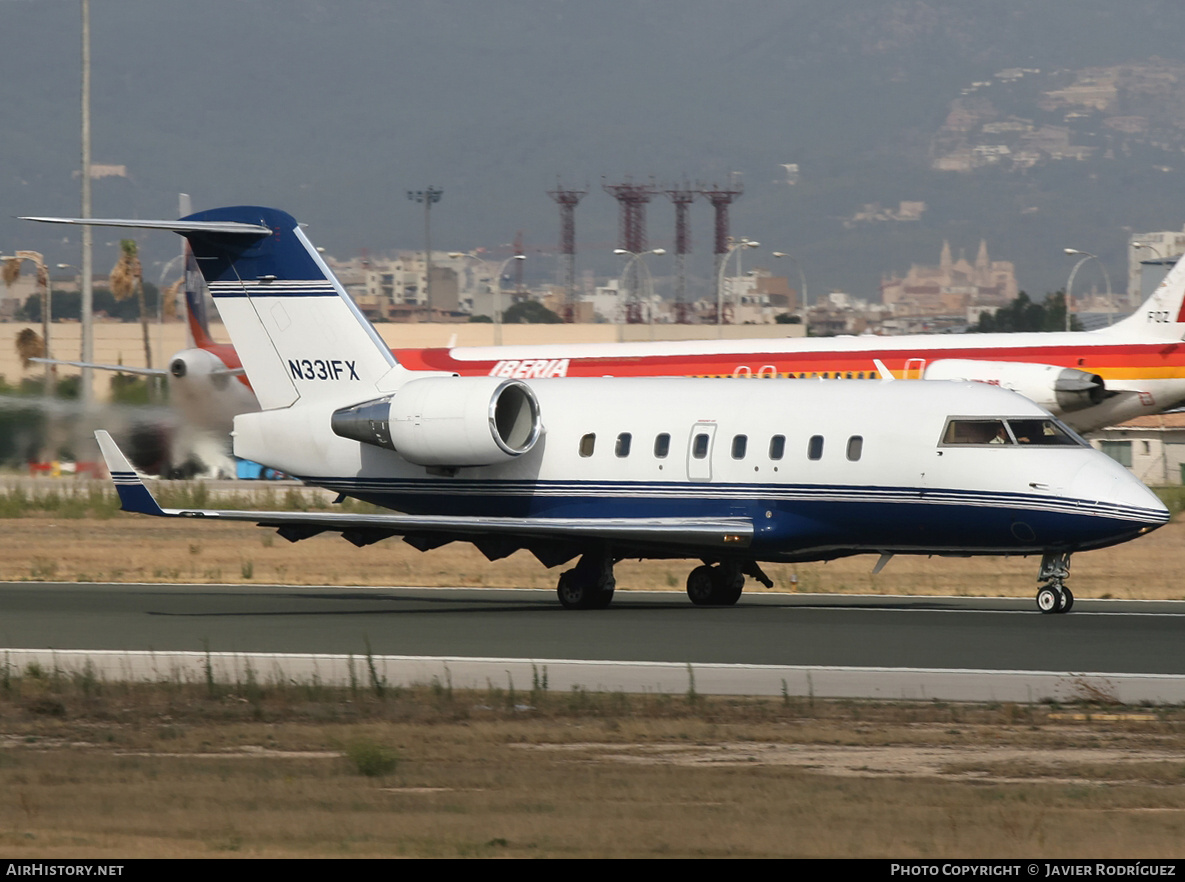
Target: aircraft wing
{"x": 134, "y": 496}
{"x": 121, "y": 368}
{"x": 125, "y": 369}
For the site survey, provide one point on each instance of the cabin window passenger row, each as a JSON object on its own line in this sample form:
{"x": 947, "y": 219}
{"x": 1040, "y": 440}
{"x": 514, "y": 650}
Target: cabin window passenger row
{"x": 958, "y": 432}
{"x": 855, "y": 447}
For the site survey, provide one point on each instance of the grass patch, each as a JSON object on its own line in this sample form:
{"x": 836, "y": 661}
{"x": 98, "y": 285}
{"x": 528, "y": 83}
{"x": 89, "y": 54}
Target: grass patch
{"x": 265, "y": 767}
{"x": 371, "y": 759}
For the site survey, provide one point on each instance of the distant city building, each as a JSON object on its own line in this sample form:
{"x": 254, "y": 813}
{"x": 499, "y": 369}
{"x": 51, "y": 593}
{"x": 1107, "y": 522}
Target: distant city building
{"x": 387, "y": 289}
{"x": 841, "y": 313}
{"x": 953, "y": 287}
{"x": 1145, "y": 267}
{"x": 872, "y": 212}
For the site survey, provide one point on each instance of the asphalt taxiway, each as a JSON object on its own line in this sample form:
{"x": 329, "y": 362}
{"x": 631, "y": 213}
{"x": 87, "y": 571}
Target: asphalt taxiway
{"x": 796, "y": 643}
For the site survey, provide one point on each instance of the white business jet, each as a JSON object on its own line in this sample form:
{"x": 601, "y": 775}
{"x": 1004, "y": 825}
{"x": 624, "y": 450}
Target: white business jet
{"x": 599, "y": 470}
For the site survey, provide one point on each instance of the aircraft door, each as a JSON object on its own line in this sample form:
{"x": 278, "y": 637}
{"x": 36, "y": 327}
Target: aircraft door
{"x": 699, "y": 452}
{"x": 914, "y": 369}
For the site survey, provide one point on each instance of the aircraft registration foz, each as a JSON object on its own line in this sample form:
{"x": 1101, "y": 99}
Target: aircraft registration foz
{"x": 602, "y": 469}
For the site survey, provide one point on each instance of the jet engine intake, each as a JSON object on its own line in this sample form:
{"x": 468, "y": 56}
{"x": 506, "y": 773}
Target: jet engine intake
{"x": 448, "y": 422}
{"x": 1057, "y": 389}
{"x": 198, "y": 366}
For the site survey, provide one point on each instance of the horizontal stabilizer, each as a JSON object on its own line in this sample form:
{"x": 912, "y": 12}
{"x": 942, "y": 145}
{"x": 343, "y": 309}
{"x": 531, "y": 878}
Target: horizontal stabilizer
{"x": 176, "y": 226}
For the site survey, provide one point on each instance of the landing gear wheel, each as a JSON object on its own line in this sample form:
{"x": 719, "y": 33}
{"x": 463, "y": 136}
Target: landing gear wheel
{"x": 573, "y": 593}
{"x": 1053, "y": 596}
{"x": 1049, "y": 600}
{"x": 729, "y": 585}
{"x": 715, "y": 586}
{"x": 588, "y": 585}
{"x": 602, "y": 596}
{"x": 701, "y": 586}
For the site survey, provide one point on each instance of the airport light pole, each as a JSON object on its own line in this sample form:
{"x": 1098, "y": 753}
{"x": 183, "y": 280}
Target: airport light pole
{"x": 87, "y": 316}
{"x": 625, "y": 271}
{"x": 498, "y": 296}
{"x": 1137, "y": 246}
{"x": 801, "y": 279}
{"x": 1151, "y": 248}
{"x": 427, "y": 198}
{"x": 1084, "y": 257}
{"x": 459, "y": 255}
{"x": 735, "y": 246}
{"x": 494, "y": 283}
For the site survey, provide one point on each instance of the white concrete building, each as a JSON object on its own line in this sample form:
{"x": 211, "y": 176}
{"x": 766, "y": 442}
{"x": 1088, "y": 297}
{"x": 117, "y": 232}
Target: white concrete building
{"x": 1153, "y": 447}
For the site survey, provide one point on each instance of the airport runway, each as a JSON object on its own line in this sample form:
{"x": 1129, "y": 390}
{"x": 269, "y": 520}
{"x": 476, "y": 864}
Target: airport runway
{"x": 817, "y": 644}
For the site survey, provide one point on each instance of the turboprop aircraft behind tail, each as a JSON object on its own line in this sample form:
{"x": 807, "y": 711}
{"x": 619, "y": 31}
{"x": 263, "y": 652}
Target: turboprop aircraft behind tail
{"x": 206, "y": 388}
{"x": 599, "y": 470}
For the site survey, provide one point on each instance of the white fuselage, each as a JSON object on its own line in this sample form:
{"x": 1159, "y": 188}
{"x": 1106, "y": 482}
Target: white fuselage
{"x": 875, "y": 477}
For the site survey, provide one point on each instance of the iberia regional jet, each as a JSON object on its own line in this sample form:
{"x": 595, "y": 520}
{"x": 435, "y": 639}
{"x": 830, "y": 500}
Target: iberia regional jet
{"x": 1090, "y": 379}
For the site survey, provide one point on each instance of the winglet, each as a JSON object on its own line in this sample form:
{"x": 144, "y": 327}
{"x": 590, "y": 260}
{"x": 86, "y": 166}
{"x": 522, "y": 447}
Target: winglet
{"x": 133, "y": 495}
{"x": 886, "y": 374}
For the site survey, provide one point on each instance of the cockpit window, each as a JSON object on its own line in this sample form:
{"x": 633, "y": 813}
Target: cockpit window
{"x": 1046, "y": 432}
{"x": 974, "y": 432}
{"x": 1031, "y": 431}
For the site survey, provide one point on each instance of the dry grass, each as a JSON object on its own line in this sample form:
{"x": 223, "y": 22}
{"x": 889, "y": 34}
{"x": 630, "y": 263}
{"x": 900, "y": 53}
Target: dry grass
{"x": 113, "y": 770}
{"x": 130, "y": 548}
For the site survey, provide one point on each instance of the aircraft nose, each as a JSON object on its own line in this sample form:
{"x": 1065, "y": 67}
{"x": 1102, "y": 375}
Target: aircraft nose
{"x": 1116, "y": 490}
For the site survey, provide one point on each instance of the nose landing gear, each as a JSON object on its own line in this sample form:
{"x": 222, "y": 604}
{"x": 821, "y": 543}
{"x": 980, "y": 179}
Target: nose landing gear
{"x": 1053, "y": 596}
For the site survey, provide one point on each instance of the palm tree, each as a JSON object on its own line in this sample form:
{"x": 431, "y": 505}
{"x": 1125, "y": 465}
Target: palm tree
{"x": 12, "y": 271}
{"x": 128, "y": 277}
{"x": 29, "y": 345}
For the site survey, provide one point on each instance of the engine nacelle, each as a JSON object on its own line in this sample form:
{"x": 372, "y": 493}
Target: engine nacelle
{"x": 1057, "y": 389}
{"x": 200, "y": 366}
{"x": 206, "y": 392}
{"x": 448, "y": 421}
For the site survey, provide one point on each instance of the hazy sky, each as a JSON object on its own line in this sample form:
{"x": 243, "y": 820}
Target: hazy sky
{"x": 333, "y": 110}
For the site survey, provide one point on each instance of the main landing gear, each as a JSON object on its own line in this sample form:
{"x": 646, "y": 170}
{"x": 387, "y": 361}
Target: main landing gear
{"x": 1053, "y": 596}
{"x": 720, "y": 585}
{"x": 590, "y": 584}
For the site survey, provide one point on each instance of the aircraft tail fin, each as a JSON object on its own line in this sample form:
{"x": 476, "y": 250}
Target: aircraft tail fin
{"x": 197, "y": 317}
{"x": 298, "y": 334}
{"x": 1161, "y": 316}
